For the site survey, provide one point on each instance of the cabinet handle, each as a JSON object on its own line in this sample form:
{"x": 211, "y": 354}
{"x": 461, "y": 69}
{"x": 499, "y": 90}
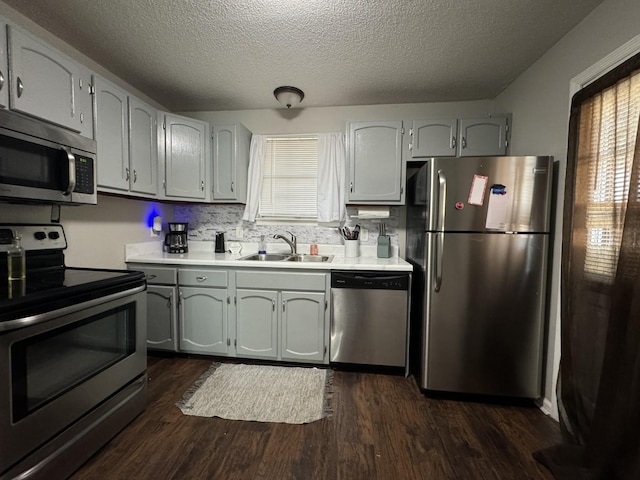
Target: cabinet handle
{"x": 202, "y": 185}
{"x": 170, "y": 301}
{"x": 464, "y": 142}
{"x": 128, "y": 175}
{"x": 201, "y": 279}
{"x": 135, "y": 176}
{"x": 232, "y": 183}
{"x": 1, "y": 80}
{"x": 20, "y": 87}
{"x": 283, "y": 304}
{"x": 351, "y": 187}
{"x": 273, "y": 305}
{"x": 151, "y": 276}
{"x": 453, "y": 141}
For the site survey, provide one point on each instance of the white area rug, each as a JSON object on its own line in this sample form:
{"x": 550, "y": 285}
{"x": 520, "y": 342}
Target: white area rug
{"x": 260, "y": 393}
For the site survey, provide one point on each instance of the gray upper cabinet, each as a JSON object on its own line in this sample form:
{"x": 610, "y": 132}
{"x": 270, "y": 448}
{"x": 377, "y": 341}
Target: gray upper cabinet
{"x": 231, "y": 145}
{"x": 143, "y": 133}
{"x": 111, "y": 136}
{"x": 433, "y": 138}
{"x": 483, "y": 136}
{"x": 47, "y": 84}
{"x": 4, "y": 67}
{"x": 126, "y": 134}
{"x": 375, "y": 163}
{"x": 465, "y": 137}
{"x": 185, "y": 158}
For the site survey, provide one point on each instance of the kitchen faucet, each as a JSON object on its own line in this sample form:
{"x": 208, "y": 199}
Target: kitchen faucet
{"x": 292, "y": 243}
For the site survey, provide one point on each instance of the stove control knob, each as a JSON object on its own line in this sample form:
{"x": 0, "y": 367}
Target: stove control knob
{"x": 40, "y": 235}
{"x": 54, "y": 235}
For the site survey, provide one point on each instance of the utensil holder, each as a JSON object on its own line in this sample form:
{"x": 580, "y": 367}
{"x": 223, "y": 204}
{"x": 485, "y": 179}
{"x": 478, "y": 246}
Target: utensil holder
{"x": 351, "y": 248}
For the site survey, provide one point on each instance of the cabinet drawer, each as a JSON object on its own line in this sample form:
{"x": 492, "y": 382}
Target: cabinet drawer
{"x": 203, "y": 278}
{"x": 158, "y": 276}
{"x": 281, "y": 280}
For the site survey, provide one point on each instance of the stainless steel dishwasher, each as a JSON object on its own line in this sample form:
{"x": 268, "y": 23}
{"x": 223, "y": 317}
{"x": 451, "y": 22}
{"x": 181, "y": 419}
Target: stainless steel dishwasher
{"x": 369, "y": 318}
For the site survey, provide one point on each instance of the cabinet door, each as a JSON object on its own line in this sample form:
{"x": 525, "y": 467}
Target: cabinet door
{"x": 143, "y": 132}
{"x": 4, "y": 68}
{"x": 433, "y": 138}
{"x": 185, "y": 157}
{"x": 224, "y": 162}
{"x": 376, "y": 168}
{"x": 47, "y": 84}
{"x": 483, "y": 137}
{"x": 203, "y": 320}
{"x": 257, "y": 323}
{"x": 111, "y": 135}
{"x": 161, "y": 318}
{"x": 303, "y": 326}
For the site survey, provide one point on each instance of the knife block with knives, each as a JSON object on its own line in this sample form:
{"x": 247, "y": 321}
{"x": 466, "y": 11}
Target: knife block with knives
{"x": 384, "y": 242}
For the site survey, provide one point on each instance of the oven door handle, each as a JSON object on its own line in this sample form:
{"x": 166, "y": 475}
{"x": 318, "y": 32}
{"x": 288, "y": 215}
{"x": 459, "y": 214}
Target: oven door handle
{"x": 17, "y": 323}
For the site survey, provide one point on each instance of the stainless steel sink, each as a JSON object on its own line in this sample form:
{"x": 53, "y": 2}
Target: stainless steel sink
{"x": 279, "y": 257}
{"x": 266, "y": 257}
{"x": 309, "y": 258}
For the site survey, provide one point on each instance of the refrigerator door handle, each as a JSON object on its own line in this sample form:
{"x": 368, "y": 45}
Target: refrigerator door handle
{"x": 438, "y": 254}
{"x": 442, "y": 195}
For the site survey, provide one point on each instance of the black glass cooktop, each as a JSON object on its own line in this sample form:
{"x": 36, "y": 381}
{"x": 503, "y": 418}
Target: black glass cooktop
{"x": 54, "y": 288}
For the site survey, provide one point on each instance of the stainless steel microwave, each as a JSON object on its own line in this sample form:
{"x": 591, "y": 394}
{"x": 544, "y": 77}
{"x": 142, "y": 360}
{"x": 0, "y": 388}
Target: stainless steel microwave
{"x": 44, "y": 163}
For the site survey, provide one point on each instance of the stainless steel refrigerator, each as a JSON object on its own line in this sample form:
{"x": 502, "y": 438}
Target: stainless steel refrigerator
{"x": 478, "y": 235}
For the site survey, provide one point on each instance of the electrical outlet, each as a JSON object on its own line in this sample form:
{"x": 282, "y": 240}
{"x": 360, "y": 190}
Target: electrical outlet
{"x": 153, "y": 233}
{"x": 364, "y": 234}
{"x": 239, "y": 233}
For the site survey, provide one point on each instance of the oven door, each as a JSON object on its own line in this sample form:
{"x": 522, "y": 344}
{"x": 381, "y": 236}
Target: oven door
{"x": 64, "y": 364}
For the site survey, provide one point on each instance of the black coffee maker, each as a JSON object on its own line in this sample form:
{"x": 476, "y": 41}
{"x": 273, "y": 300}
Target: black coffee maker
{"x": 176, "y": 240}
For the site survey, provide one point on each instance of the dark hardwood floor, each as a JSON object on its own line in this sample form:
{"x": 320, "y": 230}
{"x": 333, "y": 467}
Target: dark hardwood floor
{"x": 382, "y": 428}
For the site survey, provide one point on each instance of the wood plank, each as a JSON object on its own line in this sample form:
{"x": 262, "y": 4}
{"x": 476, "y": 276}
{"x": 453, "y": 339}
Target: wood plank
{"x": 382, "y": 427}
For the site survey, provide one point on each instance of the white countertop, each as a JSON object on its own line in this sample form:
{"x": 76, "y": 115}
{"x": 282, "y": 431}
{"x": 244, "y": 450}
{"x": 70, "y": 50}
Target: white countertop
{"x": 201, "y": 253}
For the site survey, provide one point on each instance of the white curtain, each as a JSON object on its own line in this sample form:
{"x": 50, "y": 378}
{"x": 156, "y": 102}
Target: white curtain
{"x": 254, "y": 182}
{"x": 331, "y": 177}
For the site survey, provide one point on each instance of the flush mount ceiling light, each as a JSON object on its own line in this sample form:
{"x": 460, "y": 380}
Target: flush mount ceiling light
{"x": 288, "y": 96}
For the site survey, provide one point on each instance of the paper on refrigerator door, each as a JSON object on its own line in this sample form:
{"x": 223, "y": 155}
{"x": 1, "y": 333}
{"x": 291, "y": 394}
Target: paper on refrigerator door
{"x": 497, "y": 209}
{"x": 478, "y": 187}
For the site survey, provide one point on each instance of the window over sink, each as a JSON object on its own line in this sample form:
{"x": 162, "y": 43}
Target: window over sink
{"x": 290, "y": 179}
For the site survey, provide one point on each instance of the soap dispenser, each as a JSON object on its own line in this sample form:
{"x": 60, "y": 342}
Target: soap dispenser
{"x": 262, "y": 248}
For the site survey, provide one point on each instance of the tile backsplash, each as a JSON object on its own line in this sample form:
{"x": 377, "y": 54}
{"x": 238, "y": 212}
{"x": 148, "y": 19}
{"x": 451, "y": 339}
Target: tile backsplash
{"x": 205, "y": 220}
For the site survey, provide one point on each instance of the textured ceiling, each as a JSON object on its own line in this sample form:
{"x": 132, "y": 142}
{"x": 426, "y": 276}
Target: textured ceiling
{"x": 230, "y": 54}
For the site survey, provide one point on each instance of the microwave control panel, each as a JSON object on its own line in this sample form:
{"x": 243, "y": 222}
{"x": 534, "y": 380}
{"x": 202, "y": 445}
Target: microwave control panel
{"x": 84, "y": 175}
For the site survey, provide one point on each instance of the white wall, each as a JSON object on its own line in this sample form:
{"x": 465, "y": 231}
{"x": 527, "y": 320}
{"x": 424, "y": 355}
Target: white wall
{"x": 96, "y": 234}
{"x": 539, "y": 100}
{"x": 334, "y": 119}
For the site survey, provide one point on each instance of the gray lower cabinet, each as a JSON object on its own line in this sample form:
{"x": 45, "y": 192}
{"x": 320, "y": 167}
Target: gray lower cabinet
{"x": 282, "y": 316}
{"x": 257, "y": 323}
{"x": 162, "y": 325}
{"x": 161, "y": 318}
{"x": 204, "y": 311}
{"x": 303, "y": 326}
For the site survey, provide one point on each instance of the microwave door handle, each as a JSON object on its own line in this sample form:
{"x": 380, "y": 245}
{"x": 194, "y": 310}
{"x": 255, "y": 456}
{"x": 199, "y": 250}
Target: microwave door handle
{"x": 72, "y": 171}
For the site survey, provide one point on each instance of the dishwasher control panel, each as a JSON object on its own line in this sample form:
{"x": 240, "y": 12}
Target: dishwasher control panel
{"x": 370, "y": 280}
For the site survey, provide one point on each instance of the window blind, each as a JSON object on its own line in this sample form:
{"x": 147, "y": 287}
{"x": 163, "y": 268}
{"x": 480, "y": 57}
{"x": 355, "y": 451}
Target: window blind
{"x": 289, "y": 182}
{"x": 606, "y": 143}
